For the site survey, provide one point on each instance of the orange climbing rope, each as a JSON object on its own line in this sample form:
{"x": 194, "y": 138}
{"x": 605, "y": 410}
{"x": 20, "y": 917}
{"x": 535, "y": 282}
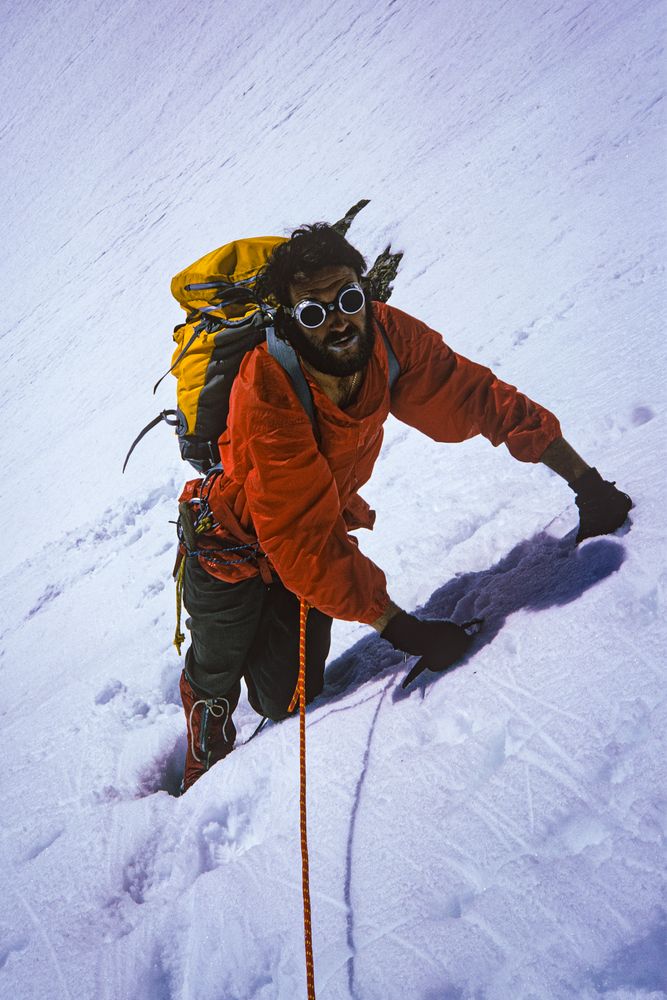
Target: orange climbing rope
{"x": 300, "y": 697}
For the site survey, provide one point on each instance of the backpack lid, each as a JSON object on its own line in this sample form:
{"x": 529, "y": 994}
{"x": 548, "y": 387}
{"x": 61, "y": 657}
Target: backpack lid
{"x": 201, "y": 286}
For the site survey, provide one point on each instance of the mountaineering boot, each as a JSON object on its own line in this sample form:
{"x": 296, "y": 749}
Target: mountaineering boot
{"x": 211, "y": 731}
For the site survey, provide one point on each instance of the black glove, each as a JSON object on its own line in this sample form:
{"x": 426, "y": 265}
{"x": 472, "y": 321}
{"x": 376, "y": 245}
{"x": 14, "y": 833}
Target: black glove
{"x": 602, "y": 508}
{"x": 439, "y": 643}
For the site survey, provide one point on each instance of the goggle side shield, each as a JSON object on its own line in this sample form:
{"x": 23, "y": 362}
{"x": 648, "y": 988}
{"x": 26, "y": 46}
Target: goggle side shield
{"x": 311, "y": 313}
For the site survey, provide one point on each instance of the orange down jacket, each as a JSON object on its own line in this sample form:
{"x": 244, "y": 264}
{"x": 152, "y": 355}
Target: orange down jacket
{"x": 300, "y": 500}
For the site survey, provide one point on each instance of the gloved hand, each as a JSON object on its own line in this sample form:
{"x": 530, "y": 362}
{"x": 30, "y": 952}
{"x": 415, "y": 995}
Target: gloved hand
{"x": 439, "y": 643}
{"x": 602, "y": 508}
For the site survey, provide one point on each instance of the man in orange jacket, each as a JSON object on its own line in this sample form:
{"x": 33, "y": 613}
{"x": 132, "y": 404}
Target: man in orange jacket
{"x": 288, "y": 494}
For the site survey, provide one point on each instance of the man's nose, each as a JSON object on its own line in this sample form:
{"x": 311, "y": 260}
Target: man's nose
{"x": 337, "y": 320}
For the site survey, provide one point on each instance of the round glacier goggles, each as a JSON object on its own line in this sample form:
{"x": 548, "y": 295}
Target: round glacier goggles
{"x": 311, "y": 313}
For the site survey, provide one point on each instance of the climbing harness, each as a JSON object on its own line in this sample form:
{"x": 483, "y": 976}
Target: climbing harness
{"x": 300, "y": 697}
{"x": 194, "y": 519}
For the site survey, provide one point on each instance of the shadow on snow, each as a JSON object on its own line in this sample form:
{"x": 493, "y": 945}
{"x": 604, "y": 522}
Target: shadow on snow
{"x": 540, "y": 573}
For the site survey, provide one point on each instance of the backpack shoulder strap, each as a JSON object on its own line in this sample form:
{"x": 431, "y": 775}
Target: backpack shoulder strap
{"x": 285, "y": 354}
{"x": 394, "y": 367}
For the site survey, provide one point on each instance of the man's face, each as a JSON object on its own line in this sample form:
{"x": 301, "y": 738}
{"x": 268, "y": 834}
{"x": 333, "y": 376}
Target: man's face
{"x": 344, "y": 342}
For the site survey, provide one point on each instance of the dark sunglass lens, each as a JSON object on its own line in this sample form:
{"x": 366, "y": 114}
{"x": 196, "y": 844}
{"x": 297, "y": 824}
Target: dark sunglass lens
{"x": 351, "y": 300}
{"x": 312, "y": 315}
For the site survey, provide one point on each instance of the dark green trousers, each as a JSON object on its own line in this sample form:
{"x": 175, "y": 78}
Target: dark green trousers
{"x": 250, "y": 630}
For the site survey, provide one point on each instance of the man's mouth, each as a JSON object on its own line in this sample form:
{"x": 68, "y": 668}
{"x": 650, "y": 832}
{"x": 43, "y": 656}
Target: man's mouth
{"x": 342, "y": 341}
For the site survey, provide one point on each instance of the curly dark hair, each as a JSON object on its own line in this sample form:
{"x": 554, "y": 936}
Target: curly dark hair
{"x": 308, "y": 250}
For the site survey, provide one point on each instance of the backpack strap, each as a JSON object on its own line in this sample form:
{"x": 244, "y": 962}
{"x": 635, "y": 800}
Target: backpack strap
{"x": 285, "y": 354}
{"x": 197, "y": 330}
{"x": 394, "y": 367}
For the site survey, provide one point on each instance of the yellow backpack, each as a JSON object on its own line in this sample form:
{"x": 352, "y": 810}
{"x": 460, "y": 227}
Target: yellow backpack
{"x": 225, "y": 319}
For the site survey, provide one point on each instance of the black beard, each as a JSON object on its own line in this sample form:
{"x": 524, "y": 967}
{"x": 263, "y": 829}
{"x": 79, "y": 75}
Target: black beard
{"x": 320, "y": 357}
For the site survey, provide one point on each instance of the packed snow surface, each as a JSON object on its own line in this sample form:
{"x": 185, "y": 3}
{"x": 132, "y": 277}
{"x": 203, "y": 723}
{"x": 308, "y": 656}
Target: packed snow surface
{"x": 496, "y": 832}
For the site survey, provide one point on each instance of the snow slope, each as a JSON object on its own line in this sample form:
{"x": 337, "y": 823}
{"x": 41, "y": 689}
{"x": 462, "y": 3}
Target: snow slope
{"x": 497, "y": 832}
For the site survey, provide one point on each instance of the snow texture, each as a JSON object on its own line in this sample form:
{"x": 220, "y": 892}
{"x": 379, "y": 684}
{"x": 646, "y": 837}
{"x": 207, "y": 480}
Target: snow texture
{"x": 494, "y": 833}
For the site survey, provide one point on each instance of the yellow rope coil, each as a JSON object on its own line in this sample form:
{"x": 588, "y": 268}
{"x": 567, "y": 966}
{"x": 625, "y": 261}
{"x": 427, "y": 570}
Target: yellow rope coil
{"x": 179, "y": 638}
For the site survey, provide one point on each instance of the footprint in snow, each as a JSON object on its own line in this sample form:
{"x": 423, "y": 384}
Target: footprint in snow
{"x": 132, "y": 711}
{"x": 110, "y": 691}
{"x": 164, "y": 773}
{"x": 453, "y": 905}
{"x": 621, "y": 423}
{"x": 11, "y": 944}
{"x": 42, "y": 843}
{"x": 450, "y": 729}
{"x": 228, "y": 834}
{"x": 163, "y": 769}
{"x": 641, "y": 415}
{"x": 137, "y": 878}
{"x": 227, "y": 829}
{"x": 152, "y": 590}
{"x": 50, "y": 593}
{"x": 581, "y": 832}
{"x": 631, "y": 729}
{"x": 637, "y": 968}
